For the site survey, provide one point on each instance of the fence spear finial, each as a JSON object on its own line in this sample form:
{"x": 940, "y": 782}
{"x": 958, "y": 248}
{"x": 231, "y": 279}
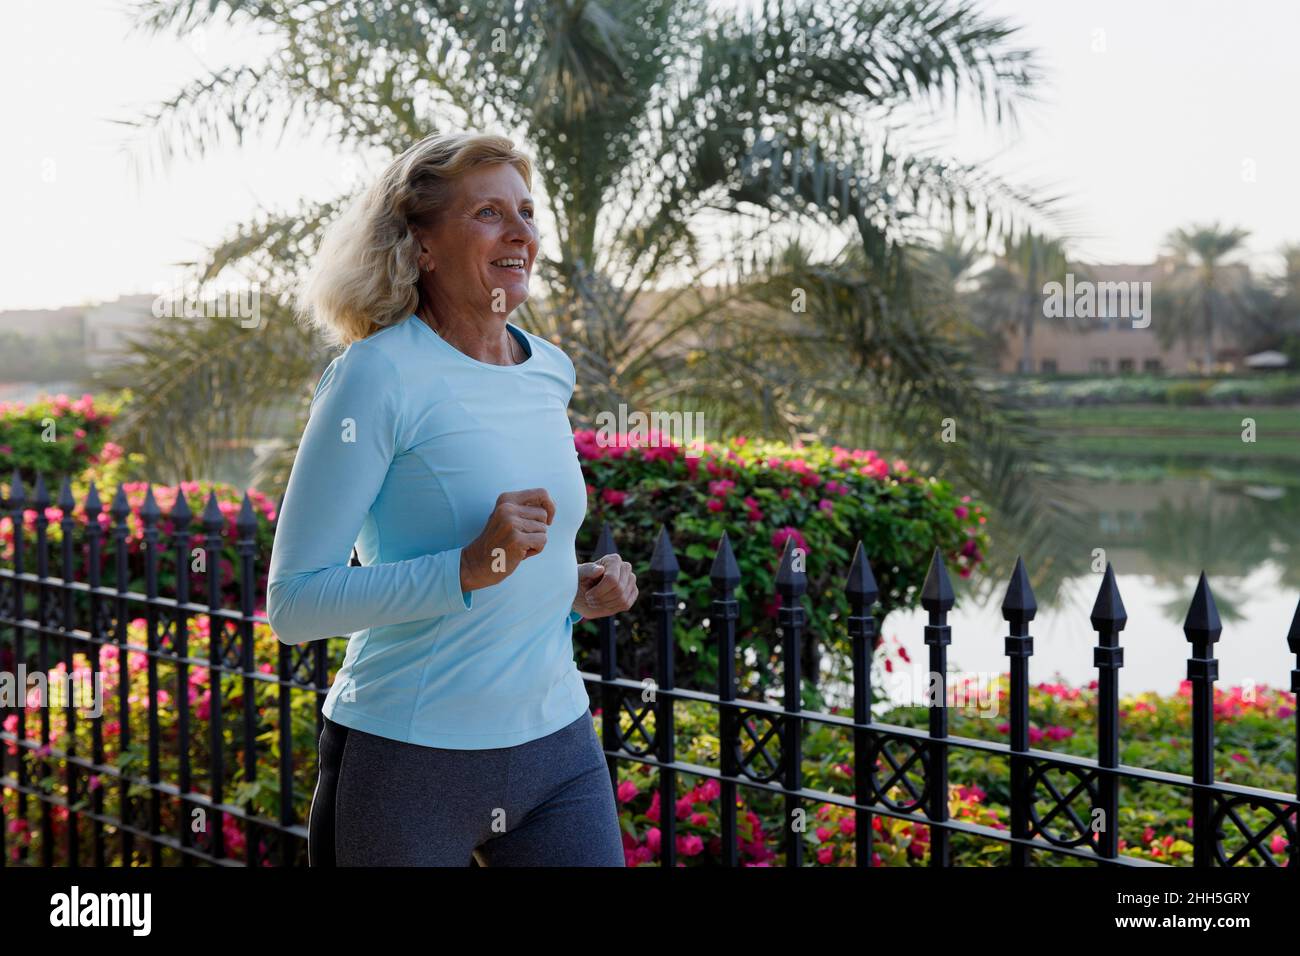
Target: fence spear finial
{"x": 1019, "y": 601}
{"x": 66, "y": 501}
{"x": 212, "y": 517}
{"x": 936, "y": 592}
{"x": 1202, "y": 623}
{"x": 604, "y": 543}
{"x": 16, "y": 493}
{"x": 93, "y": 505}
{"x": 724, "y": 572}
{"x": 181, "y": 514}
{"x": 1293, "y": 635}
{"x": 861, "y": 581}
{"x": 246, "y": 521}
{"x": 791, "y": 579}
{"x": 150, "y": 511}
{"x": 121, "y": 507}
{"x": 42, "y": 495}
{"x": 1108, "y": 610}
{"x": 663, "y": 562}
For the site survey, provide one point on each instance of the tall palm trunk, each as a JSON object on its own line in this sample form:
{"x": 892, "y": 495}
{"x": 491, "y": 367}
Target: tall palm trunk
{"x": 1209, "y": 333}
{"x": 1027, "y": 327}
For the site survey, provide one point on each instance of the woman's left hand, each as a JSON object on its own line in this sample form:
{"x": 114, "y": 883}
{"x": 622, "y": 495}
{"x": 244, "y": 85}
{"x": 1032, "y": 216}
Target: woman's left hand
{"x": 605, "y": 587}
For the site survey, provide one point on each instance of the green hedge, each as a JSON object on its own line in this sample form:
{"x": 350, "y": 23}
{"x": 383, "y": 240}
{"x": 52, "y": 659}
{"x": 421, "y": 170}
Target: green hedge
{"x": 1272, "y": 388}
{"x": 1254, "y": 728}
{"x": 59, "y": 436}
{"x": 762, "y": 492}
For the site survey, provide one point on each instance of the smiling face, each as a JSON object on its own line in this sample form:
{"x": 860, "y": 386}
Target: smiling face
{"x": 489, "y": 218}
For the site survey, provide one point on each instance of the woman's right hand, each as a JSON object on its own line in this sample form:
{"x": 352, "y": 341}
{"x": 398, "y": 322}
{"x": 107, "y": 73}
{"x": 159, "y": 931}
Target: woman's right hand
{"x": 515, "y": 530}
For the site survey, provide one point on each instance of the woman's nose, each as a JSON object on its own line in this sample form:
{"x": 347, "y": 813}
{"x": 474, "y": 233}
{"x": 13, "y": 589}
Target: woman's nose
{"x": 517, "y": 227}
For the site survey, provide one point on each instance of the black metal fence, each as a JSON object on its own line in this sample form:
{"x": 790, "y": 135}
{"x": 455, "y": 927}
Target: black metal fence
{"x": 899, "y": 772}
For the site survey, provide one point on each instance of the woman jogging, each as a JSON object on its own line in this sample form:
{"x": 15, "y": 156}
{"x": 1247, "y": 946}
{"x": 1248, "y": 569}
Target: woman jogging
{"x": 439, "y": 445}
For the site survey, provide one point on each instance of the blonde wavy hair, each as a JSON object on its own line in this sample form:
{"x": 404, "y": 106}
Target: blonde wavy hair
{"x": 365, "y": 276}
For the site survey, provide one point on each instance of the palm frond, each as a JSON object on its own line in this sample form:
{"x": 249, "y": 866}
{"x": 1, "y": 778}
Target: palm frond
{"x": 203, "y": 384}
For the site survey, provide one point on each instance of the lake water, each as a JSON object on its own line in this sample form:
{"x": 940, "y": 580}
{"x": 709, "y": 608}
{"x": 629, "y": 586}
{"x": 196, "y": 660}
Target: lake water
{"x": 1159, "y": 535}
{"x": 28, "y": 392}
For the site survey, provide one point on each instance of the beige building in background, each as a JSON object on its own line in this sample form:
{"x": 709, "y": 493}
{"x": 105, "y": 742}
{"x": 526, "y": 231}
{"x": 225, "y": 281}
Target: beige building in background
{"x": 1112, "y": 346}
{"x": 110, "y": 324}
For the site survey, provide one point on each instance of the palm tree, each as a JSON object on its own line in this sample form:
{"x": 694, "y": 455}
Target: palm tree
{"x": 953, "y": 258}
{"x": 1290, "y": 279}
{"x": 1011, "y": 291}
{"x": 1275, "y": 324}
{"x": 945, "y": 269}
{"x": 1288, "y": 302}
{"x": 1205, "y": 292}
{"x": 652, "y": 123}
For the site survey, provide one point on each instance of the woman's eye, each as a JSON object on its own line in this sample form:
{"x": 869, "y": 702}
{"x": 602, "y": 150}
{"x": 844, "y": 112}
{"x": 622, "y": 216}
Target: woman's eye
{"x": 489, "y": 208}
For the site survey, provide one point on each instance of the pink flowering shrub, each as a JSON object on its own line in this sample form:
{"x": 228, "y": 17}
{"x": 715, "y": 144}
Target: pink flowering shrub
{"x": 261, "y": 794}
{"x": 229, "y": 501}
{"x": 60, "y": 436}
{"x": 828, "y": 833}
{"x": 1255, "y": 746}
{"x": 824, "y": 498}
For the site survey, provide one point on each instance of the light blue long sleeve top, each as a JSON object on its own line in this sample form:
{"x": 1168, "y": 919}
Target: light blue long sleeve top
{"x": 408, "y": 443}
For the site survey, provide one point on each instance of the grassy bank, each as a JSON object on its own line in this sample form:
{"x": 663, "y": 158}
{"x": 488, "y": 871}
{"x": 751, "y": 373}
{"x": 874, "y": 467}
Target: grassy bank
{"x": 1221, "y": 390}
{"x": 1162, "y": 431}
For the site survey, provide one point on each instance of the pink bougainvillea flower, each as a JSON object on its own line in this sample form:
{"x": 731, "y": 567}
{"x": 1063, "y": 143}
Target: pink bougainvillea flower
{"x": 684, "y": 806}
{"x": 780, "y": 535}
{"x": 710, "y": 790}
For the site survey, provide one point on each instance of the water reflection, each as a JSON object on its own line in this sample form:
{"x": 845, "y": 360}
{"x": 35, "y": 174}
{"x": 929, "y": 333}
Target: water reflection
{"x": 1159, "y": 533}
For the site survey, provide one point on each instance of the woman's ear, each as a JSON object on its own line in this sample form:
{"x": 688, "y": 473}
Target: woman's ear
{"x": 423, "y": 255}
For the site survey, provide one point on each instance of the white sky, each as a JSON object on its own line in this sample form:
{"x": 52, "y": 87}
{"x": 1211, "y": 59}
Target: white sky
{"x": 1153, "y": 133}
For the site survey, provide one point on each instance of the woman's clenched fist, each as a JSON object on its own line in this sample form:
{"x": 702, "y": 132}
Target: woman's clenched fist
{"x": 515, "y": 530}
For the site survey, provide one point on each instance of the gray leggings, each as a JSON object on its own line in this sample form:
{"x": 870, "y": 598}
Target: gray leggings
{"x": 383, "y": 802}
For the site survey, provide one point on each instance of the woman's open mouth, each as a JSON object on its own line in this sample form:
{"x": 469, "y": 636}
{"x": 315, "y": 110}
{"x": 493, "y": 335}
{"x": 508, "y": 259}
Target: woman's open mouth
{"x": 510, "y": 265}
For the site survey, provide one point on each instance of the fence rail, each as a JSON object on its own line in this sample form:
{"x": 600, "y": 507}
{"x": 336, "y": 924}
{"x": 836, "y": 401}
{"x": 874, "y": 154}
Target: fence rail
{"x": 899, "y": 772}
